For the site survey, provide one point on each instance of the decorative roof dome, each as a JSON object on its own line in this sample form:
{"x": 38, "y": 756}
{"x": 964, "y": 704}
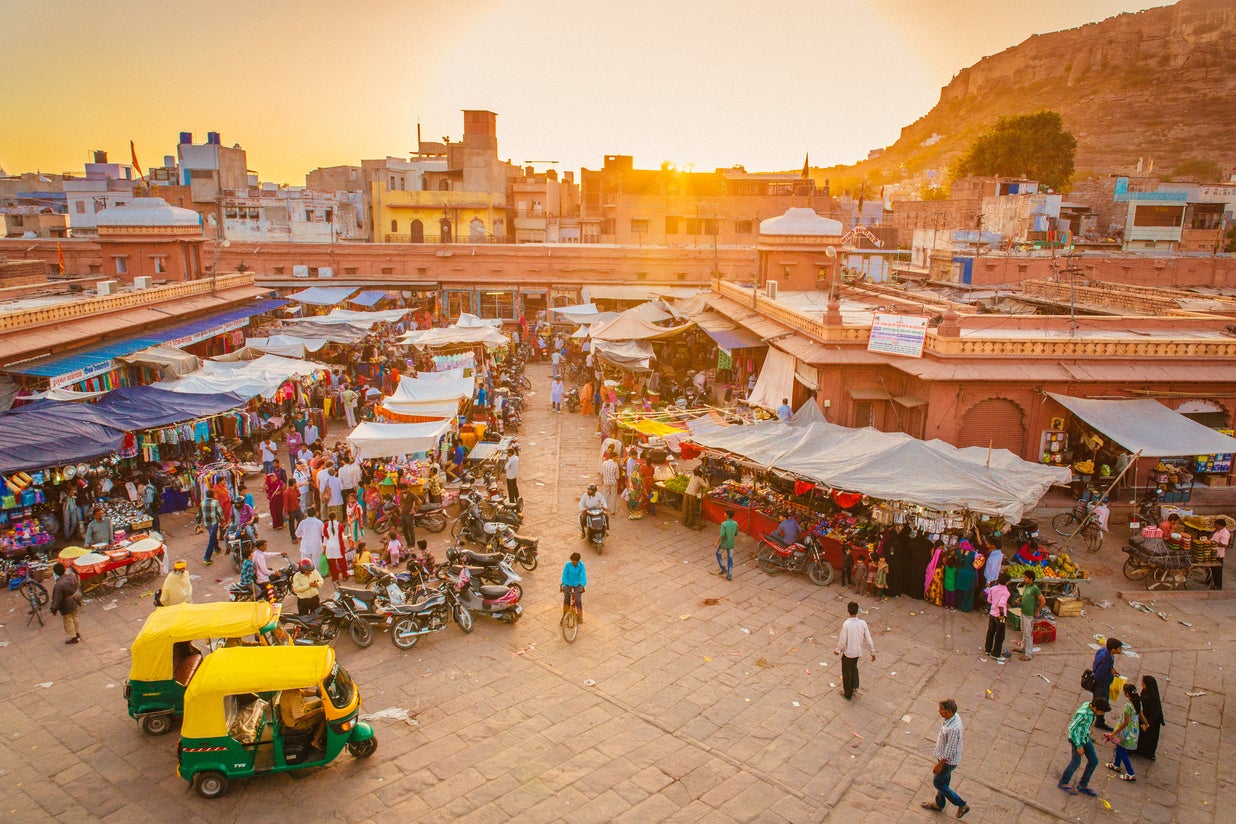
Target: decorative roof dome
{"x": 153, "y": 212}
{"x": 800, "y": 221}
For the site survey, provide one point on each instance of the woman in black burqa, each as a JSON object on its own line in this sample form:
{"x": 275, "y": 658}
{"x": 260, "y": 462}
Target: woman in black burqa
{"x": 1152, "y": 715}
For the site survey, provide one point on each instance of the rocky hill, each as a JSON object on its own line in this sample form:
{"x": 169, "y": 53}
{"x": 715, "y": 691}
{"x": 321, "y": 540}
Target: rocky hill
{"x": 1155, "y": 84}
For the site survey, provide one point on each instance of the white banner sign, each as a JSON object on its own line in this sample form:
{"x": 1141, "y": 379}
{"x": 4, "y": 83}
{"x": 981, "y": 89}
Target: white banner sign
{"x": 898, "y": 335}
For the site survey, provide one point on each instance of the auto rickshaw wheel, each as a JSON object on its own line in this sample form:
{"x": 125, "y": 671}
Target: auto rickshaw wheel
{"x": 210, "y": 784}
{"x": 363, "y": 749}
{"x": 155, "y": 724}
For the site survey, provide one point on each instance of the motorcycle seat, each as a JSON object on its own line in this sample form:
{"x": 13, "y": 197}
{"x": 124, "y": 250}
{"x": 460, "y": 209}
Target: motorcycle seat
{"x": 359, "y": 594}
{"x": 482, "y": 559}
{"x": 429, "y": 507}
{"x": 493, "y": 592}
{"x": 432, "y": 601}
{"x": 525, "y": 540}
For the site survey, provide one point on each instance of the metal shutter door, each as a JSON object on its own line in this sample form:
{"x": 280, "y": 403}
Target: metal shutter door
{"x": 997, "y": 422}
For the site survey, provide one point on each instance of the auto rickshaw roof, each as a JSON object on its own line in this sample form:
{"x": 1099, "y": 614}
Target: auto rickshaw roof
{"x": 152, "y": 648}
{"x": 239, "y": 670}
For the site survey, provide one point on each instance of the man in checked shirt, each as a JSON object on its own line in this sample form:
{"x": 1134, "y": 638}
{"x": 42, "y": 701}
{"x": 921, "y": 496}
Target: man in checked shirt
{"x": 948, "y": 756}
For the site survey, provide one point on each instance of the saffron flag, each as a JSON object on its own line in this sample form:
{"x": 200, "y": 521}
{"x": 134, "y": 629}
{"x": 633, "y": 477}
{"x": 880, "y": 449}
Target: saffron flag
{"x": 806, "y": 166}
{"x": 133, "y": 152}
{"x": 60, "y": 258}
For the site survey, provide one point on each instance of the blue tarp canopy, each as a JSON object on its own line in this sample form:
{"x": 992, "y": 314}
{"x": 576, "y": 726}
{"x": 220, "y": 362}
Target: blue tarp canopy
{"x": 731, "y": 339}
{"x": 47, "y": 433}
{"x": 90, "y": 360}
{"x": 323, "y": 295}
{"x": 369, "y": 297}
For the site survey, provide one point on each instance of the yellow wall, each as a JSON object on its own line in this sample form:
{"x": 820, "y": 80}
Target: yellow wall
{"x": 429, "y": 208}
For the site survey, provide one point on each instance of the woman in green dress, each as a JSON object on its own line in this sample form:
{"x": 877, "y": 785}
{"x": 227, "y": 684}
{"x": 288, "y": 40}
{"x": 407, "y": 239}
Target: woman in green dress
{"x": 965, "y": 576}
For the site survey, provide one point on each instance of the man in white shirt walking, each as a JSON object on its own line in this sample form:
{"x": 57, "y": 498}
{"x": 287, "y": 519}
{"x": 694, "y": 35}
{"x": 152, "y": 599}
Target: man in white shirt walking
{"x": 269, "y": 451}
{"x": 349, "y": 478}
{"x": 854, "y": 636}
{"x": 311, "y": 434}
{"x": 511, "y": 471}
{"x": 948, "y": 755}
{"x": 310, "y": 533}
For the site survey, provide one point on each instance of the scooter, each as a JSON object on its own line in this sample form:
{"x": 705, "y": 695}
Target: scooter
{"x": 499, "y": 602}
{"x": 805, "y": 555}
{"x": 596, "y": 525}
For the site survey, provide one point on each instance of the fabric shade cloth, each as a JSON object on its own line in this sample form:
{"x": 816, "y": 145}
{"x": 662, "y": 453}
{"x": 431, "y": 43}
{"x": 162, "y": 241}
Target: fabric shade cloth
{"x": 387, "y": 440}
{"x": 171, "y": 362}
{"x": 369, "y": 297}
{"x": 469, "y": 321}
{"x": 416, "y": 412}
{"x": 1147, "y": 426}
{"x": 776, "y": 381}
{"x": 893, "y": 466}
{"x": 309, "y": 329}
{"x": 323, "y": 295}
{"x": 633, "y": 355}
{"x": 454, "y": 335}
{"x": 248, "y": 379}
{"x": 585, "y": 313}
{"x": 445, "y": 375}
{"x": 421, "y": 389}
{"x": 630, "y": 325}
{"x": 654, "y": 428}
{"x": 351, "y": 317}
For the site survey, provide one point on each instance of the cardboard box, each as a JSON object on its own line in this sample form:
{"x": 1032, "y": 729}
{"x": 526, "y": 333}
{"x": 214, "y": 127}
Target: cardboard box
{"x": 1066, "y": 607}
{"x": 1215, "y": 480}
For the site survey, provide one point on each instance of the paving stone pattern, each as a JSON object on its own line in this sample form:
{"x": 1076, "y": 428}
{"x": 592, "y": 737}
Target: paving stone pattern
{"x": 664, "y": 709}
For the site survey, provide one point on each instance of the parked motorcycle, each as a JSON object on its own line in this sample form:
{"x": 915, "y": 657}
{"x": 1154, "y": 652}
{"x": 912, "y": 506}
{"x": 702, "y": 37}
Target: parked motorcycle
{"x": 408, "y": 622}
{"x": 431, "y": 516}
{"x": 323, "y": 625}
{"x": 596, "y": 526}
{"x": 571, "y": 400}
{"x": 804, "y": 556}
{"x": 474, "y": 527}
{"x": 499, "y": 602}
{"x": 493, "y": 568}
{"x": 524, "y": 547}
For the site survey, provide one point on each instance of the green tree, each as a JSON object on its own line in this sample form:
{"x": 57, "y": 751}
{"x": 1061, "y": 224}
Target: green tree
{"x": 1034, "y": 146}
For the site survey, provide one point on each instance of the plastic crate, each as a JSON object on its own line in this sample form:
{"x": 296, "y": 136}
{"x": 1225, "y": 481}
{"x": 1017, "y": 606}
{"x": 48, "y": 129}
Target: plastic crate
{"x": 1014, "y": 621}
{"x": 1044, "y": 632}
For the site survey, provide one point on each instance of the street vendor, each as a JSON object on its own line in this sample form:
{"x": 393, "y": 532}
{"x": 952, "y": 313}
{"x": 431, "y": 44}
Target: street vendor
{"x": 99, "y": 530}
{"x": 1029, "y": 553}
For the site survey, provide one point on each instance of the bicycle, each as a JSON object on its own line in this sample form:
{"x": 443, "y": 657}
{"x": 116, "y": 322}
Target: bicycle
{"x": 1082, "y": 514}
{"x": 570, "y": 620}
{"x": 28, "y": 575}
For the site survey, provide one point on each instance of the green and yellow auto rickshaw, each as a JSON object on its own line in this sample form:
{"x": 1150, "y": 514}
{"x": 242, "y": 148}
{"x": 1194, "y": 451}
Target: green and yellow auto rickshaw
{"x": 172, "y": 644}
{"x": 257, "y": 710}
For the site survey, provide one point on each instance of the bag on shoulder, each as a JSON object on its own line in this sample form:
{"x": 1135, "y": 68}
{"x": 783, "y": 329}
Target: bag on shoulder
{"x": 1087, "y": 681}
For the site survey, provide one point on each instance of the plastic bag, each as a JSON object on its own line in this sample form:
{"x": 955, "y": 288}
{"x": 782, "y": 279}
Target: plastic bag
{"x": 323, "y": 566}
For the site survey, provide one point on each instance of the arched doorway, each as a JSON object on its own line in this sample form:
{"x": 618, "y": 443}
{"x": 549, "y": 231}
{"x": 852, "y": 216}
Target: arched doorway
{"x": 444, "y": 230}
{"x": 476, "y": 230}
{"x": 416, "y": 231}
{"x": 998, "y": 423}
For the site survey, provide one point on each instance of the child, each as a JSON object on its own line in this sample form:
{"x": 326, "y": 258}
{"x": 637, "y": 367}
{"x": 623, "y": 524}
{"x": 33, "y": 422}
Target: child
{"x": 871, "y": 574}
{"x": 860, "y": 571}
{"x": 373, "y": 504}
{"x": 881, "y": 580}
{"x": 248, "y": 572}
{"x": 394, "y": 549}
{"x": 354, "y": 518}
{"x": 847, "y": 565}
{"x": 426, "y": 560}
{"x": 363, "y": 557}
{"x": 1125, "y": 735}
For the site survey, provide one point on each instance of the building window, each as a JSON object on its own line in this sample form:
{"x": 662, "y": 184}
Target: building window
{"x": 349, "y": 270}
{"x": 671, "y": 226}
{"x": 278, "y": 270}
{"x": 96, "y": 269}
{"x": 457, "y": 303}
{"x": 122, "y": 265}
{"x": 641, "y": 276}
{"x": 81, "y": 207}
{"x": 498, "y": 304}
{"x": 742, "y": 227}
{"x": 499, "y": 227}
{"x": 394, "y": 226}
{"x": 710, "y": 226}
{"x": 388, "y": 270}
{"x": 308, "y": 216}
{"x": 416, "y": 231}
{"x": 639, "y": 227}
{"x": 864, "y": 414}
{"x": 476, "y": 230}
{"x": 682, "y": 275}
{"x": 422, "y": 271}
{"x": 693, "y": 226}
{"x": 1158, "y": 216}
{"x": 160, "y": 265}
{"x": 444, "y": 185}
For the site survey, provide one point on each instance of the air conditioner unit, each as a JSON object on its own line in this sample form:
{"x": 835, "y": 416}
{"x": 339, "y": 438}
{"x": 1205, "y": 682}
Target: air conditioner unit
{"x": 143, "y": 282}
{"x": 106, "y": 287}
{"x": 326, "y": 272}
{"x": 770, "y": 289}
{"x": 300, "y": 271}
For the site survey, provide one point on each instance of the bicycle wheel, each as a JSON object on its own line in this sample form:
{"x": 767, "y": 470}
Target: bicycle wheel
{"x": 1092, "y": 538}
{"x": 35, "y": 593}
{"x": 435, "y": 522}
{"x": 570, "y": 626}
{"x": 1063, "y": 523}
{"x": 1200, "y": 575}
{"x": 1135, "y": 571}
{"x": 91, "y": 584}
{"x": 143, "y": 571}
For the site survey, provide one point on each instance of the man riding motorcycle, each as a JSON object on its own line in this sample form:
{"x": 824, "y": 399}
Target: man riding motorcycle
{"x": 787, "y": 533}
{"x": 591, "y": 500}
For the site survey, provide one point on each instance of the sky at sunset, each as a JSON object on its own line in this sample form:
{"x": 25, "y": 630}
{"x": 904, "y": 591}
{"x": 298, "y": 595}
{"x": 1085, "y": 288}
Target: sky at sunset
{"x": 310, "y": 83}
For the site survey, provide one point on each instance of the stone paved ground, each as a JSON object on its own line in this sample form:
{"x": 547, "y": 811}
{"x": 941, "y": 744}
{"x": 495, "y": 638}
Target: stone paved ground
{"x": 665, "y": 709}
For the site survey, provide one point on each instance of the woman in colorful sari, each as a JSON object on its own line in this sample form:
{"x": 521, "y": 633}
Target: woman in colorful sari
{"x": 274, "y": 497}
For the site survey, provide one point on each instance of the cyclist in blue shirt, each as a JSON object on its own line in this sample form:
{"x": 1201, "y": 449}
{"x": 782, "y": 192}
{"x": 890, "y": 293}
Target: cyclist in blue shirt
{"x": 574, "y": 579}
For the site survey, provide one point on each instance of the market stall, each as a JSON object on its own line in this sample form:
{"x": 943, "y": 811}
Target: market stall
{"x": 386, "y": 440}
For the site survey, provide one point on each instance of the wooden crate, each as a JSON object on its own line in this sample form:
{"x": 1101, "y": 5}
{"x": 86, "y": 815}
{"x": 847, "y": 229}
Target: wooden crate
{"x": 1065, "y": 607}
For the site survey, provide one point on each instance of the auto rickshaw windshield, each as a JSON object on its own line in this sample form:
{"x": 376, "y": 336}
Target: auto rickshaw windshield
{"x": 339, "y": 687}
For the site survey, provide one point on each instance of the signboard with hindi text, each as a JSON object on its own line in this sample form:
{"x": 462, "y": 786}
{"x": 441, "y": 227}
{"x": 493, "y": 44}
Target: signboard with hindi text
{"x": 898, "y": 335}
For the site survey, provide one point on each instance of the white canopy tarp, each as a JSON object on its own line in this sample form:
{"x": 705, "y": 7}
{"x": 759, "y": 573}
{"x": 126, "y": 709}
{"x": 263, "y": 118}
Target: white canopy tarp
{"x": 469, "y": 321}
{"x": 445, "y": 375}
{"x": 1147, "y": 426}
{"x": 448, "y": 408}
{"x": 248, "y": 378}
{"x": 776, "y": 380}
{"x": 323, "y": 295}
{"x": 411, "y": 390}
{"x": 631, "y": 354}
{"x": 630, "y": 325}
{"x": 170, "y": 361}
{"x": 289, "y": 346}
{"x": 387, "y": 440}
{"x": 354, "y": 317}
{"x": 430, "y": 338}
{"x": 894, "y": 466}
{"x": 652, "y": 312}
